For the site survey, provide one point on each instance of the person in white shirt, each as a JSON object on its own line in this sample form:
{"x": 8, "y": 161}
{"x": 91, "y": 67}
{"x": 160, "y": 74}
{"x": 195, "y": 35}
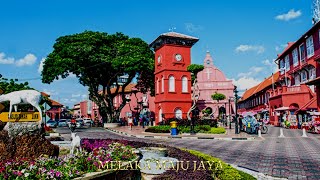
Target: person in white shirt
{"x": 130, "y": 122}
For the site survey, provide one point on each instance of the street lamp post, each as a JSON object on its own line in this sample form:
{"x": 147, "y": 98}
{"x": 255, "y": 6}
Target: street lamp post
{"x": 236, "y": 108}
{"x": 229, "y": 112}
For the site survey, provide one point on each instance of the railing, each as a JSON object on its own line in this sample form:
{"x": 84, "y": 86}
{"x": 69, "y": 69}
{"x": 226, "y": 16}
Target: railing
{"x": 288, "y": 90}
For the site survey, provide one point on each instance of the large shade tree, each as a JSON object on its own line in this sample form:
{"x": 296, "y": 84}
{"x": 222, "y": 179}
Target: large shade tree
{"x": 98, "y": 59}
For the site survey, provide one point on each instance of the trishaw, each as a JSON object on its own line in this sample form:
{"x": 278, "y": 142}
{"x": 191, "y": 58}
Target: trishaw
{"x": 251, "y": 125}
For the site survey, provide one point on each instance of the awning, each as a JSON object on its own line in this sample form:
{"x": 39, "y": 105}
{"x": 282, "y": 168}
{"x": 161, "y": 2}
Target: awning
{"x": 261, "y": 110}
{"x": 248, "y": 113}
{"x": 314, "y": 113}
{"x": 282, "y": 109}
{"x": 315, "y": 81}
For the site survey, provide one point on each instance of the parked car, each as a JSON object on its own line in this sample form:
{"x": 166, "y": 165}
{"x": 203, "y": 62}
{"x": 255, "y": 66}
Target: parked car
{"x": 52, "y": 123}
{"x": 62, "y": 123}
{"x": 88, "y": 121}
{"x": 80, "y": 123}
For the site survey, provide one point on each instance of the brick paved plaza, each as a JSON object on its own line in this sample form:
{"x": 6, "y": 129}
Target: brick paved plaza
{"x": 292, "y": 157}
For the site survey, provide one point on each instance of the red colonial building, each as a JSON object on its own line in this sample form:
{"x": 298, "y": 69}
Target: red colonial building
{"x": 296, "y": 91}
{"x": 172, "y": 80}
{"x": 256, "y": 99}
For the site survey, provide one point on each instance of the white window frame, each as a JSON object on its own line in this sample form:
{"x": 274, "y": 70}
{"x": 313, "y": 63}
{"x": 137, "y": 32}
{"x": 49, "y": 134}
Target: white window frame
{"x": 295, "y": 58}
{"x": 304, "y": 74}
{"x": 178, "y": 113}
{"x": 184, "y": 84}
{"x": 310, "y": 47}
{"x": 287, "y": 62}
{"x": 297, "y": 79}
{"x": 312, "y": 73}
{"x": 171, "y": 83}
{"x": 162, "y": 84}
{"x": 157, "y": 86}
{"x": 302, "y": 56}
{"x": 281, "y": 65}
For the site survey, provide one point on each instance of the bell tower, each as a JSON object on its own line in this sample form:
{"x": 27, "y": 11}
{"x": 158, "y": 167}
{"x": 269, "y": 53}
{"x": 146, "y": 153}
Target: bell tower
{"x": 172, "y": 80}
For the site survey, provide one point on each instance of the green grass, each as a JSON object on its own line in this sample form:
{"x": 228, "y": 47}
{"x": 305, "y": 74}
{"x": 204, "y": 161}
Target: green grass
{"x": 223, "y": 171}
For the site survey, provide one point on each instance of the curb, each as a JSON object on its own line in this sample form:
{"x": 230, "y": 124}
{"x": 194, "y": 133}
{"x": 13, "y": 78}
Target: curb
{"x": 179, "y": 137}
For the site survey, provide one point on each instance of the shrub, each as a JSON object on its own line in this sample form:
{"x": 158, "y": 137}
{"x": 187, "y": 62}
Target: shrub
{"x": 186, "y": 129}
{"x": 218, "y": 130}
{"x": 186, "y": 122}
{"x": 159, "y": 129}
{"x": 226, "y": 171}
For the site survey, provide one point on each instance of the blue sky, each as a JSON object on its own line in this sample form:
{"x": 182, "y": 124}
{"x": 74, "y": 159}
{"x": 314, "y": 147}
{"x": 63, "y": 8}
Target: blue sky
{"x": 243, "y": 36}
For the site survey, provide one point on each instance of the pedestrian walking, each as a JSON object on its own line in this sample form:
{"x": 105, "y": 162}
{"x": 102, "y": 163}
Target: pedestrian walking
{"x": 130, "y": 122}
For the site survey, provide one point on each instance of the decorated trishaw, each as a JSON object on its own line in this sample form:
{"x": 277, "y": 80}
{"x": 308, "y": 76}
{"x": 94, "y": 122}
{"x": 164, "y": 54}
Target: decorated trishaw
{"x": 314, "y": 124}
{"x": 251, "y": 125}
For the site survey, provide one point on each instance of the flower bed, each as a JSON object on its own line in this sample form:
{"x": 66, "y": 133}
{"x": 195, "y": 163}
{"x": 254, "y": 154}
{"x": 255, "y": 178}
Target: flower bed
{"x": 186, "y": 129}
{"x": 181, "y": 155}
{"x": 70, "y": 166}
{"x": 96, "y": 153}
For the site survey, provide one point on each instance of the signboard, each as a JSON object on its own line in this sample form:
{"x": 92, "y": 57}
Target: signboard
{"x": 20, "y": 116}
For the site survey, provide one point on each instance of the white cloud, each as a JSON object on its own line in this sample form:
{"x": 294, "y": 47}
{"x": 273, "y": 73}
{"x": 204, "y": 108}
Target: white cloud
{"x": 28, "y": 60}
{"x": 4, "y": 60}
{"x": 252, "y": 72}
{"x": 75, "y": 95}
{"x": 40, "y": 68}
{"x": 289, "y": 15}
{"x": 69, "y": 101}
{"x": 281, "y": 47}
{"x": 272, "y": 65}
{"x": 190, "y": 27}
{"x": 244, "y": 83}
{"x": 50, "y": 92}
{"x": 245, "y": 48}
{"x": 84, "y": 96}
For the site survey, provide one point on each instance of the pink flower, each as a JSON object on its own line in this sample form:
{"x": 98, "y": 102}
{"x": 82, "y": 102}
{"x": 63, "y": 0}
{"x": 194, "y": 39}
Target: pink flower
{"x": 58, "y": 174}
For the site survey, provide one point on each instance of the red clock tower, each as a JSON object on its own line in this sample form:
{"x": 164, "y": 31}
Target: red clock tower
{"x": 172, "y": 80}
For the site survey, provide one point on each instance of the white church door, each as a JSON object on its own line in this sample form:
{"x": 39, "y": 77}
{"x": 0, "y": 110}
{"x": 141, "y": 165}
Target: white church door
{"x": 160, "y": 115}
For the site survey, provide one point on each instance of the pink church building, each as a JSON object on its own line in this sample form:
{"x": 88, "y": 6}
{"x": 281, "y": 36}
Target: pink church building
{"x": 211, "y": 80}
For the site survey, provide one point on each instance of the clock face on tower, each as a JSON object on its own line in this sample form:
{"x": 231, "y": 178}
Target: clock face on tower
{"x": 178, "y": 57}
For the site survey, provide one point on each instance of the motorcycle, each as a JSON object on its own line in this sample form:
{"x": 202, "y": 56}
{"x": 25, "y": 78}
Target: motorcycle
{"x": 72, "y": 125}
{"x": 262, "y": 127}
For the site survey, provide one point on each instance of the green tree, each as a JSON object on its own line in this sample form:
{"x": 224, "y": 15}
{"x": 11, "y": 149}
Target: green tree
{"x": 218, "y": 97}
{"x": 98, "y": 59}
{"x": 10, "y": 85}
{"x": 194, "y": 69}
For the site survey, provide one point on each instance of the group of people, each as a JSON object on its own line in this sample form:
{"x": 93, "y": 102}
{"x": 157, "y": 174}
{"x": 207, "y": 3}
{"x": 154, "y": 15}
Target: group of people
{"x": 142, "y": 121}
